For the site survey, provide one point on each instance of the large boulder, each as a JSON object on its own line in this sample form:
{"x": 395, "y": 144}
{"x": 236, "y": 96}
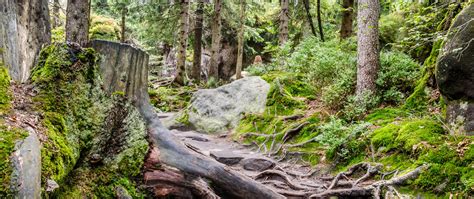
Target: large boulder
{"x": 455, "y": 72}
{"x": 24, "y": 30}
{"x": 219, "y": 110}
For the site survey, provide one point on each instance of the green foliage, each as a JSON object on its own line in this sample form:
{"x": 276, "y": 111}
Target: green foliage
{"x": 58, "y": 34}
{"x": 5, "y": 94}
{"x": 104, "y": 28}
{"x": 287, "y": 93}
{"x": 397, "y": 76}
{"x": 389, "y": 28}
{"x": 8, "y": 138}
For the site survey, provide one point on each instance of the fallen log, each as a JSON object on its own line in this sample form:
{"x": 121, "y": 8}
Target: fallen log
{"x": 176, "y": 154}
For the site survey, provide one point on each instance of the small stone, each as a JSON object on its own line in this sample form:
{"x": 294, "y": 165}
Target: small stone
{"x": 51, "y": 185}
{"x": 95, "y": 158}
{"x": 257, "y": 164}
{"x": 227, "y": 158}
{"x": 122, "y": 193}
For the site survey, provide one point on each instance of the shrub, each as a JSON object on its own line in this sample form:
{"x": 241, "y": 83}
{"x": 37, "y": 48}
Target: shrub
{"x": 104, "y": 28}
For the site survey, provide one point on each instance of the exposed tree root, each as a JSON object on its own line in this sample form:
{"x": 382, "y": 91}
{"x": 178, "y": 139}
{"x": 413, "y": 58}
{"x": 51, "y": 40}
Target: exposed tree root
{"x": 176, "y": 154}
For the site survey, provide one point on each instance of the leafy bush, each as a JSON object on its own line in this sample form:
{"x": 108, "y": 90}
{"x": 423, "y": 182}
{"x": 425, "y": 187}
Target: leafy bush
{"x": 390, "y": 28}
{"x": 397, "y": 76}
{"x": 104, "y": 28}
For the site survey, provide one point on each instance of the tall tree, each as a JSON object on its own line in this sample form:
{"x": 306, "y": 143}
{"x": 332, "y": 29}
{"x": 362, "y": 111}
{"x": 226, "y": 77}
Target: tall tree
{"x": 367, "y": 45}
{"x": 77, "y": 21}
{"x": 321, "y": 34}
{"x": 308, "y": 15}
{"x": 124, "y": 11}
{"x": 196, "y": 70}
{"x": 56, "y": 9}
{"x": 240, "y": 49}
{"x": 183, "y": 42}
{"x": 284, "y": 18}
{"x": 216, "y": 40}
{"x": 347, "y": 18}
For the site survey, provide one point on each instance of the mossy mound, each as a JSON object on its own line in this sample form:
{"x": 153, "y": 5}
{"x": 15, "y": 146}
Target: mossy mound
{"x": 403, "y": 142}
{"x": 288, "y": 93}
{"x": 81, "y": 119}
{"x": 171, "y": 99}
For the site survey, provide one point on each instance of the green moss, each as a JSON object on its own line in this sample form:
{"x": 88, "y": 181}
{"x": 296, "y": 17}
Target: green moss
{"x": 8, "y": 138}
{"x": 171, "y": 99}
{"x": 385, "y": 115}
{"x": 419, "y": 99}
{"x": 58, "y": 156}
{"x": 5, "y": 95}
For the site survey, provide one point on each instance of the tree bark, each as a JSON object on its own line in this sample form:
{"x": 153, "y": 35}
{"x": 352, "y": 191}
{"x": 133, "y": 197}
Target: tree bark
{"x": 183, "y": 42}
{"x": 240, "y": 50}
{"x": 56, "y": 8}
{"x": 367, "y": 45}
{"x": 284, "y": 18}
{"x": 321, "y": 34}
{"x": 77, "y": 21}
{"x": 196, "y": 70}
{"x": 216, "y": 40}
{"x": 308, "y": 15}
{"x": 347, "y": 18}
{"x": 122, "y": 26}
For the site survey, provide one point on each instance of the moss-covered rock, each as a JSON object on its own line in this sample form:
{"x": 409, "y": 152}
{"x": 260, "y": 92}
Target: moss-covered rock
{"x": 8, "y": 138}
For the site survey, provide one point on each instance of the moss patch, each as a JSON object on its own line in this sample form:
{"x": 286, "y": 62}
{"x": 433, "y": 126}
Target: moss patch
{"x": 171, "y": 99}
{"x": 5, "y": 95}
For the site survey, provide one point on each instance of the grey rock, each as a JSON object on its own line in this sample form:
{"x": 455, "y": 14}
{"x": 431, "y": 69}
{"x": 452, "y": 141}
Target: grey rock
{"x": 122, "y": 193}
{"x": 455, "y": 72}
{"x": 257, "y": 164}
{"x": 51, "y": 185}
{"x": 227, "y": 158}
{"x": 219, "y": 110}
{"x": 26, "y": 176}
{"x": 24, "y": 29}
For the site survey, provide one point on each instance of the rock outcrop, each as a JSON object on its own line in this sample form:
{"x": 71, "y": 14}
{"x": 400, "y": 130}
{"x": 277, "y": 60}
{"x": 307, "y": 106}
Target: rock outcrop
{"x": 219, "y": 110}
{"x": 455, "y": 72}
{"x": 24, "y": 29}
{"x": 124, "y": 68}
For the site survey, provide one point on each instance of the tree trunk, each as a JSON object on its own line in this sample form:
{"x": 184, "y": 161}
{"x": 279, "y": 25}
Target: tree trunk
{"x": 321, "y": 34}
{"x": 216, "y": 40}
{"x": 56, "y": 8}
{"x": 284, "y": 18}
{"x": 77, "y": 21}
{"x": 196, "y": 70}
{"x": 240, "y": 50}
{"x": 183, "y": 42}
{"x": 367, "y": 45}
{"x": 347, "y": 18}
{"x": 310, "y": 18}
{"x": 122, "y": 26}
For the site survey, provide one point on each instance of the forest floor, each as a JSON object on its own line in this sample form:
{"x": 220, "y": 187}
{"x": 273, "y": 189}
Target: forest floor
{"x": 288, "y": 175}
